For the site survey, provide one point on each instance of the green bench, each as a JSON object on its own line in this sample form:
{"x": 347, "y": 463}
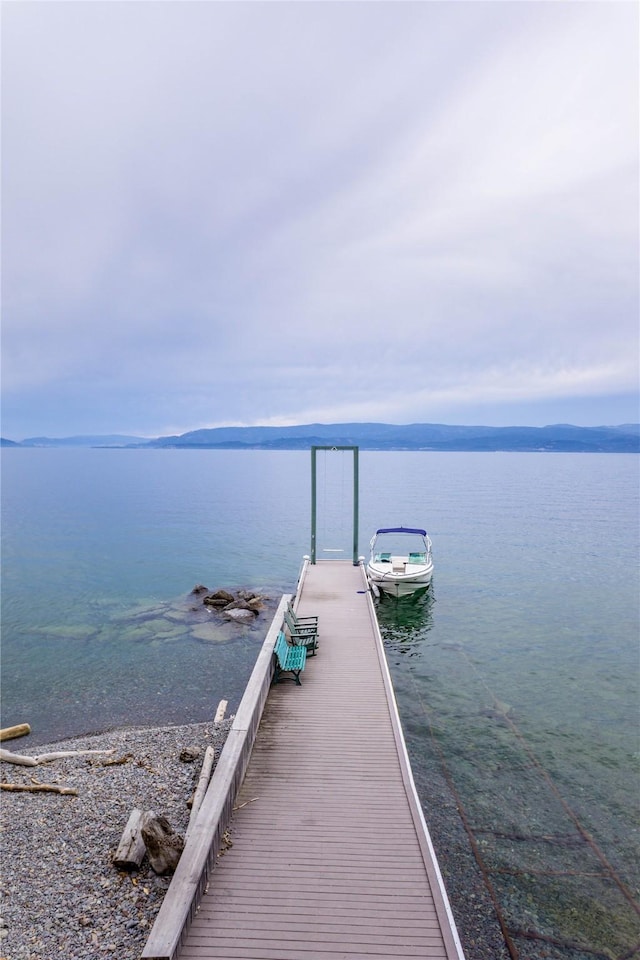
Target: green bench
{"x": 302, "y": 635}
{"x": 288, "y": 660}
{"x": 309, "y": 621}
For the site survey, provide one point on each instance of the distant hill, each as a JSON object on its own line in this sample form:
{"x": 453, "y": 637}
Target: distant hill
{"x": 110, "y": 440}
{"x": 561, "y": 437}
{"x": 417, "y": 436}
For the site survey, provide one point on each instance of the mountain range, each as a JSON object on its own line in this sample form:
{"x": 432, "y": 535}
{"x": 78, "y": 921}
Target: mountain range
{"x": 624, "y": 438}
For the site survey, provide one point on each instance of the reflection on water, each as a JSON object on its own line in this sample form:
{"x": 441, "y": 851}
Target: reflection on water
{"x": 405, "y": 621}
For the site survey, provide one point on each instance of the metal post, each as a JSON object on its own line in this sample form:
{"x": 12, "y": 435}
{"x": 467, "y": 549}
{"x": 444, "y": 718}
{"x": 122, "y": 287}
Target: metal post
{"x": 313, "y": 504}
{"x": 355, "y": 506}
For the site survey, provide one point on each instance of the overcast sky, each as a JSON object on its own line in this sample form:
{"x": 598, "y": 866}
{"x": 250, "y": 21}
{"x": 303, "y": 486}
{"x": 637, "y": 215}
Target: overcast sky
{"x": 267, "y": 213}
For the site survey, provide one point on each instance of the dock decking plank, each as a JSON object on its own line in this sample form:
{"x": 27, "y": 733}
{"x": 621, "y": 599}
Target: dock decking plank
{"x": 328, "y": 859}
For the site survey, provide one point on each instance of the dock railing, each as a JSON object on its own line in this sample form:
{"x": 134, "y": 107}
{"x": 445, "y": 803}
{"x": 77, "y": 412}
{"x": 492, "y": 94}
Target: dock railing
{"x": 205, "y": 839}
{"x": 441, "y": 898}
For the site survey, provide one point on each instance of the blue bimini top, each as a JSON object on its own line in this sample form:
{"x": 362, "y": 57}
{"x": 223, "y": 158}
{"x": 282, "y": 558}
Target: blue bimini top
{"x": 422, "y": 533}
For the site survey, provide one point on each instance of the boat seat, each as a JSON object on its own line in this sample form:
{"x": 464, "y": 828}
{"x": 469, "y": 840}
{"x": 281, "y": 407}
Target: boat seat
{"x": 383, "y": 558}
{"x": 417, "y": 558}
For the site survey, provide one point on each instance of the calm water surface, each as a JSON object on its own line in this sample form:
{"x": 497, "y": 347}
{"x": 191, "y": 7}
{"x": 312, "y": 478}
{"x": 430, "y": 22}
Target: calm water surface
{"x": 517, "y": 674}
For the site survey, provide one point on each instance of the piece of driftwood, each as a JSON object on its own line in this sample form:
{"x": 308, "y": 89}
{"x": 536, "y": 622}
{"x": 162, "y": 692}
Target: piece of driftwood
{"x": 24, "y": 761}
{"x": 131, "y": 849}
{"x": 220, "y": 712}
{"x": 40, "y": 788}
{"x": 164, "y": 845}
{"x": 20, "y": 730}
{"x": 118, "y": 761}
{"x": 201, "y": 789}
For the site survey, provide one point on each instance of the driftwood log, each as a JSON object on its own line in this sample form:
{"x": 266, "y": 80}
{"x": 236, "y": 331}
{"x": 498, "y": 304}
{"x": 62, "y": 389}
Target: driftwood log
{"x": 20, "y": 730}
{"x": 39, "y": 788}
{"x": 131, "y": 849}
{"x": 220, "y": 712}
{"x": 24, "y": 761}
{"x": 164, "y": 845}
{"x": 201, "y": 789}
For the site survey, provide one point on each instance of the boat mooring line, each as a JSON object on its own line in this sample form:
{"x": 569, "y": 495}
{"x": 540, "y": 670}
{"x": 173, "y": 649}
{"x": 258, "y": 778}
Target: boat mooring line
{"x": 583, "y": 836}
{"x": 551, "y": 873}
{"x": 630, "y": 954}
{"x": 561, "y": 841}
{"x": 563, "y": 944}
{"x": 510, "y": 945}
{"x": 584, "y": 833}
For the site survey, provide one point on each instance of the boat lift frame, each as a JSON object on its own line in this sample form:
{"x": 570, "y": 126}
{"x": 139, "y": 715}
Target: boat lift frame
{"x": 355, "y": 499}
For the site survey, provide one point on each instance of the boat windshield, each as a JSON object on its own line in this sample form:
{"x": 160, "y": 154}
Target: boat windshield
{"x": 390, "y": 542}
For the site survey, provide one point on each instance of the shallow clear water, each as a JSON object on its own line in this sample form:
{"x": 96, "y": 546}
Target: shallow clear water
{"x": 100, "y": 551}
{"x": 517, "y": 673}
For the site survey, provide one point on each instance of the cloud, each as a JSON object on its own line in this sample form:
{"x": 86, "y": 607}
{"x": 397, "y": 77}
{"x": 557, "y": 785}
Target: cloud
{"x": 246, "y": 212}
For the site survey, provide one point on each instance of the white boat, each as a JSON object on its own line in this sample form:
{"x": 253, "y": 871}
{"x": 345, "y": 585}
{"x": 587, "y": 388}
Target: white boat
{"x": 400, "y": 561}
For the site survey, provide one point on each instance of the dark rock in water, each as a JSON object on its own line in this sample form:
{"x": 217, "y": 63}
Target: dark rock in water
{"x": 212, "y": 602}
{"x": 219, "y": 599}
{"x": 243, "y": 606}
{"x": 254, "y": 600}
{"x": 199, "y": 588}
{"x": 247, "y": 595}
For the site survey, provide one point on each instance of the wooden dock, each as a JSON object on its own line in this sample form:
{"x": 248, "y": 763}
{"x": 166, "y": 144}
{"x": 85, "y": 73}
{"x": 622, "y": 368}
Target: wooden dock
{"x": 330, "y": 855}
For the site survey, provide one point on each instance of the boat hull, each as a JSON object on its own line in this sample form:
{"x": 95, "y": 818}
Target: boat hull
{"x": 398, "y": 582}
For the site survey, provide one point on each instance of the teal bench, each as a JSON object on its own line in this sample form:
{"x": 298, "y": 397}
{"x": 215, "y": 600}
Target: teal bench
{"x": 303, "y": 635}
{"x": 288, "y": 660}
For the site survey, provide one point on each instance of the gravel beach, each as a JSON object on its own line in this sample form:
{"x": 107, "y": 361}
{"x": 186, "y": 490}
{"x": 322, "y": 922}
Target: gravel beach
{"x": 61, "y": 894}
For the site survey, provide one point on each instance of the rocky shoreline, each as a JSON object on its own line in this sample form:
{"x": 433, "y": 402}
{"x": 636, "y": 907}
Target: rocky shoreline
{"x": 61, "y": 894}
{"x": 63, "y": 897}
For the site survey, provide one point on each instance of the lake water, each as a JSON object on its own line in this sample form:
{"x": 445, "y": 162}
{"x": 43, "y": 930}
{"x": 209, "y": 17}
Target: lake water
{"x": 517, "y": 674}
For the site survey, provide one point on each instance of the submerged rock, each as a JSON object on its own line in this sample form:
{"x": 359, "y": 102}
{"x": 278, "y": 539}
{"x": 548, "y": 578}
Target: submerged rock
{"x": 239, "y": 614}
{"x": 214, "y": 631}
{"x": 239, "y": 605}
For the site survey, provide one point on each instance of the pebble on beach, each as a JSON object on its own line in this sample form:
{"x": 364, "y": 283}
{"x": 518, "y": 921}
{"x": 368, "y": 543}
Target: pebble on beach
{"x": 61, "y": 894}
